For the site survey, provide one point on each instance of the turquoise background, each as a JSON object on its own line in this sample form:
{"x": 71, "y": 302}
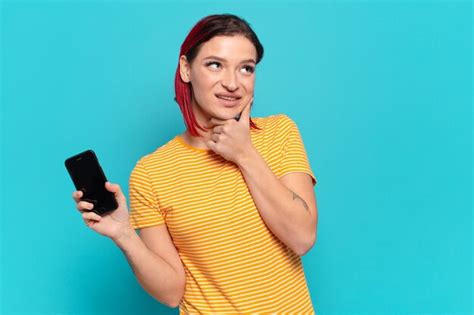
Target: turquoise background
{"x": 381, "y": 92}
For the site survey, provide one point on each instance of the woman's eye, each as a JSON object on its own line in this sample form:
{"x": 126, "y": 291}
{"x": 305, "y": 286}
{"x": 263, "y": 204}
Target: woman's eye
{"x": 249, "y": 69}
{"x": 212, "y": 62}
{"x": 216, "y": 65}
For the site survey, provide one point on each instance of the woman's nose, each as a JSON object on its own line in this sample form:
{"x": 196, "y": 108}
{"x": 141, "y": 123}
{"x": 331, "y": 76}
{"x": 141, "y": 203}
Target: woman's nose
{"x": 229, "y": 80}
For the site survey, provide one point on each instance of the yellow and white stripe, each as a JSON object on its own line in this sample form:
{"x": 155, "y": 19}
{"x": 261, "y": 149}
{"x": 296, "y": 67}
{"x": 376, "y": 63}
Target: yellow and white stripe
{"x": 233, "y": 263}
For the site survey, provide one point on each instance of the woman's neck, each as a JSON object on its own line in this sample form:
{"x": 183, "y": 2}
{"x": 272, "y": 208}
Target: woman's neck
{"x": 197, "y": 142}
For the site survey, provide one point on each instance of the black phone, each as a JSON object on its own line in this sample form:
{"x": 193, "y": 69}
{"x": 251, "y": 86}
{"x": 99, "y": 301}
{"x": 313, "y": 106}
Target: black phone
{"x": 88, "y": 176}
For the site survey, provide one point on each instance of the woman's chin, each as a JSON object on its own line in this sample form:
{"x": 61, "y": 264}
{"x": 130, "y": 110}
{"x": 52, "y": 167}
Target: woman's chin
{"x": 225, "y": 115}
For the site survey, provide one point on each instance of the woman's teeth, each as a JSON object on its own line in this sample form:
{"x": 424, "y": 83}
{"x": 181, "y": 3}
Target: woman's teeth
{"x": 227, "y": 98}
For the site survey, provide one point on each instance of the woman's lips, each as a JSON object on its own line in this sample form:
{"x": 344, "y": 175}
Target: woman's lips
{"x": 228, "y": 102}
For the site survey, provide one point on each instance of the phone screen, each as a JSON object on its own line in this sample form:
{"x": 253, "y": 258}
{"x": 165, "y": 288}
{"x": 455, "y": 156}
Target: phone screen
{"x": 88, "y": 176}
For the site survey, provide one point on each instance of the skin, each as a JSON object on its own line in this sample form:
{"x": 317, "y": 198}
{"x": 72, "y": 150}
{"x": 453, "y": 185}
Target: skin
{"x": 234, "y": 74}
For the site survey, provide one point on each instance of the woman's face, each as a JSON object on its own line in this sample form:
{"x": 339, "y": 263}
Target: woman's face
{"x": 224, "y": 66}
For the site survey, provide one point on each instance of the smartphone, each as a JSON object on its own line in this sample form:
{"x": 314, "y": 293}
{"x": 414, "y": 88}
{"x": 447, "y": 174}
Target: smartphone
{"x": 88, "y": 176}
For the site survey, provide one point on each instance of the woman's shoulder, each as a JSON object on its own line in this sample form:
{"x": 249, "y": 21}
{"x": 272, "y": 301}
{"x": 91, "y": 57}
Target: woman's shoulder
{"x": 165, "y": 151}
{"x": 274, "y": 121}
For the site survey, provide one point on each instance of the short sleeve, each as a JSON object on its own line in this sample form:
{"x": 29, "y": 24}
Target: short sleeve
{"x": 293, "y": 157}
{"x": 144, "y": 205}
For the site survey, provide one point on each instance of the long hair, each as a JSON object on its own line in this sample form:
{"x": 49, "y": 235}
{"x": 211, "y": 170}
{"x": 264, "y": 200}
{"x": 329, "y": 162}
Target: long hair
{"x": 204, "y": 30}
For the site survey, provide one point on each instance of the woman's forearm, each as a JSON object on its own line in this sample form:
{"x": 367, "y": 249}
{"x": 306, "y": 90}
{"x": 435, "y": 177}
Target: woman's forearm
{"x": 286, "y": 217}
{"x": 153, "y": 273}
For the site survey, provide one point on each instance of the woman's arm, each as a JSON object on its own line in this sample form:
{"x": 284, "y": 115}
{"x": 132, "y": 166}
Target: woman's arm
{"x": 288, "y": 206}
{"x": 153, "y": 272}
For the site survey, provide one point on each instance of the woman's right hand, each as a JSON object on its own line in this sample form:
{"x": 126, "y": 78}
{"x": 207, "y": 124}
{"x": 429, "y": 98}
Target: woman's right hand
{"x": 111, "y": 224}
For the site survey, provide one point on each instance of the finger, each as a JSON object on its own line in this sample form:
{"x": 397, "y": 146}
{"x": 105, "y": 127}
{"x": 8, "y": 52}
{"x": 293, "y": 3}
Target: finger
{"x": 77, "y": 195}
{"x": 211, "y": 145}
{"x": 115, "y": 188}
{"x": 91, "y": 216}
{"x": 218, "y": 129}
{"x": 244, "y": 117}
{"x": 84, "y": 206}
{"x": 215, "y": 137}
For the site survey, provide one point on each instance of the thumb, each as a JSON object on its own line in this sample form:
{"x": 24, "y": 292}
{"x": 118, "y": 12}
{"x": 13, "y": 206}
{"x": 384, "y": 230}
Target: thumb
{"x": 245, "y": 116}
{"x": 115, "y": 188}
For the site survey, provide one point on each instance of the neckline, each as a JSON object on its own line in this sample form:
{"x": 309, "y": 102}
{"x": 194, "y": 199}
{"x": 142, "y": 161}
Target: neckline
{"x": 185, "y": 144}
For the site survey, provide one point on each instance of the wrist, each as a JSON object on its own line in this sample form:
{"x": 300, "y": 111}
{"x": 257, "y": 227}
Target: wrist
{"x": 246, "y": 156}
{"x": 124, "y": 233}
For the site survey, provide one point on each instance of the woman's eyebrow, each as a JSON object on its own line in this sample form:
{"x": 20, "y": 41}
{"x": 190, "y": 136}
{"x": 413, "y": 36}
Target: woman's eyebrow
{"x": 223, "y": 60}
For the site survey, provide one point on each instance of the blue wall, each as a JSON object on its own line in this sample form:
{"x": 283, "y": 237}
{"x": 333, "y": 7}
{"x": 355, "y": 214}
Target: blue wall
{"x": 381, "y": 92}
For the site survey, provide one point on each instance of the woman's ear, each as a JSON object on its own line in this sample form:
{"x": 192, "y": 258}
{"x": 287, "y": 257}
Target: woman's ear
{"x": 184, "y": 69}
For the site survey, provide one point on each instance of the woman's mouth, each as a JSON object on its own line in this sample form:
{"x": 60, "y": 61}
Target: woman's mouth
{"x": 228, "y": 101}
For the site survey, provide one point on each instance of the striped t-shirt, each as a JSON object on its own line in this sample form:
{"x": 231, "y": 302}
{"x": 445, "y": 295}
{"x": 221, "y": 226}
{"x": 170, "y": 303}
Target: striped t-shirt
{"x": 233, "y": 263}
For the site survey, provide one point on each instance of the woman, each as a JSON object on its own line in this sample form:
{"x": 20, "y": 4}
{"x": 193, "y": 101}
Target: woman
{"x": 225, "y": 209}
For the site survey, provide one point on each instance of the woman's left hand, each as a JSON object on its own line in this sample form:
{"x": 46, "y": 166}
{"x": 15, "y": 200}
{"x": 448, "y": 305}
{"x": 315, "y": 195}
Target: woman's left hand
{"x": 230, "y": 138}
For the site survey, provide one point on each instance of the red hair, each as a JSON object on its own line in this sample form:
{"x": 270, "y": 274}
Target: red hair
{"x": 204, "y": 30}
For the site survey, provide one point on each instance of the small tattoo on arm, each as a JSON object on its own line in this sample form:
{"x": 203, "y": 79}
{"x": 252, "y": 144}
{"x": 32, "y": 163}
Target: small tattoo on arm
{"x": 295, "y": 196}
